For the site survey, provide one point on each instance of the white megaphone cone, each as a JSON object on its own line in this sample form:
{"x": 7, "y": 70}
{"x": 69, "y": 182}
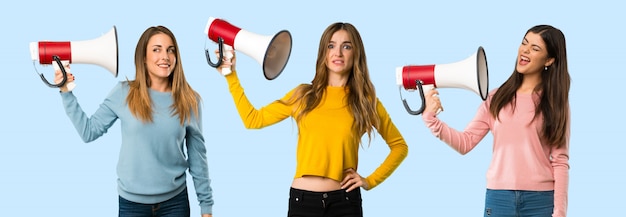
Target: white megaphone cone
{"x": 470, "y": 74}
{"x": 272, "y": 51}
{"x": 100, "y": 51}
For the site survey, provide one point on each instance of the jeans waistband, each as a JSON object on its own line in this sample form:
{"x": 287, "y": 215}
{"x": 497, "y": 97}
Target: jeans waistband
{"x": 340, "y": 194}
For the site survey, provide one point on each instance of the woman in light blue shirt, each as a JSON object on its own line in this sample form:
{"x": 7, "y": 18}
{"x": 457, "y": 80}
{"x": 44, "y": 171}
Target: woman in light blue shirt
{"x": 161, "y": 117}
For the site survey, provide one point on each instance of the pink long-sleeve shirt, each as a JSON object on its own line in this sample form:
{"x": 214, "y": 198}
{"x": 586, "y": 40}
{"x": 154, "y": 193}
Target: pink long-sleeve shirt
{"x": 521, "y": 159}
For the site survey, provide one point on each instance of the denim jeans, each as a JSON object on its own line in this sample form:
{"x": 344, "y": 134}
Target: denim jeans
{"x": 337, "y": 203}
{"x": 514, "y": 203}
{"x": 178, "y": 206}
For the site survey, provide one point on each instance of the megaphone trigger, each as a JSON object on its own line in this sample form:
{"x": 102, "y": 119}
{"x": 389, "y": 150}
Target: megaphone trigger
{"x": 63, "y": 65}
{"x": 220, "y": 47}
{"x": 56, "y": 62}
{"x": 43, "y": 78}
{"x": 419, "y": 85}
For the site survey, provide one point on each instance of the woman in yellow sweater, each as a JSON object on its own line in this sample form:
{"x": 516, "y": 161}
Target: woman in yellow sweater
{"x": 332, "y": 114}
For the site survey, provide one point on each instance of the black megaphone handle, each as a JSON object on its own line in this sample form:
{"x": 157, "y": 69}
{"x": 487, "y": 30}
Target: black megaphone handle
{"x": 421, "y": 90}
{"x": 58, "y": 60}
{"x": 220, "y": 43}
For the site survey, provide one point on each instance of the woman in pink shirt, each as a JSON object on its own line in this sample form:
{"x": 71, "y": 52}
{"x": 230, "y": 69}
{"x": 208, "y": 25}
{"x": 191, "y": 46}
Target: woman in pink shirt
{"x": 529, "y": 117}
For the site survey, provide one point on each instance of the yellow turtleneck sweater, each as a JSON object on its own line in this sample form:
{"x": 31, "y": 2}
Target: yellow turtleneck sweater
{"x": 326, "y": 144}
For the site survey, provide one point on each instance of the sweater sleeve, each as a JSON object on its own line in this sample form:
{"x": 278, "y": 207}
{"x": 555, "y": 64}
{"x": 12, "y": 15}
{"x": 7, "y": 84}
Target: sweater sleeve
{"x": 397, "y": 145}
{"x": 462, "y": 142}
{"x": 91, "y": 128}
{"x": 560, "y": 164}
{"x": 198, "y": 166}
{"x": 251, "y": 117}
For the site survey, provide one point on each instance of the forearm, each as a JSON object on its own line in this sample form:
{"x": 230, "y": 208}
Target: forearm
{"x": 198, "y": 168}
{"x": 560, "y": 192}
{"x": 462, "y": 142}
{"x": 397, "y": 154}
{"x": 560, "y": 165}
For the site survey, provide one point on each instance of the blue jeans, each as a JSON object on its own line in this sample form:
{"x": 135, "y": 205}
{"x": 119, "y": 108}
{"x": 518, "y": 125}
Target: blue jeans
{"x": 337, "y": 203}
{"x": 513, "y": 203}
{"x": 178, "y": 206}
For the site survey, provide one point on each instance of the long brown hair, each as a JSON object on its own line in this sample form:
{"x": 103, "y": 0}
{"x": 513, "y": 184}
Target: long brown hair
{"x": 361, "y": 92}
{"x": 554, "y": 88}
{"x": 138, "y": 99}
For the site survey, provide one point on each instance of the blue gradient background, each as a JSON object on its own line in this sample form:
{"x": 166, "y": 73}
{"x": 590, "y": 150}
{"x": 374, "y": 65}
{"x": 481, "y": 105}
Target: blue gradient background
{"x": 46, "y": 169}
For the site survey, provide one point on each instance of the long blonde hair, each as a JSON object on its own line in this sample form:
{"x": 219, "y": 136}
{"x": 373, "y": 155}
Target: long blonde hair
{"x": 138, "y": 99}
{"x": 361, "y": 92}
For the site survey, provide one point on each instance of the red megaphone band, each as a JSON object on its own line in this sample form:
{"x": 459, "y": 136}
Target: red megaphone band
{"x": 49, "y": 49}
{"x": 221, "y": 28}
{"x": 411, "y": 74}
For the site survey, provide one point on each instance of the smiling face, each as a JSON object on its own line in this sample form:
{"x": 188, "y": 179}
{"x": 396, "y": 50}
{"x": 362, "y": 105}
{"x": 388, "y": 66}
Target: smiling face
{"x": 160, "y": 57}
{"x": 532, "y": 55}
{"x": 339, "y": 55}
